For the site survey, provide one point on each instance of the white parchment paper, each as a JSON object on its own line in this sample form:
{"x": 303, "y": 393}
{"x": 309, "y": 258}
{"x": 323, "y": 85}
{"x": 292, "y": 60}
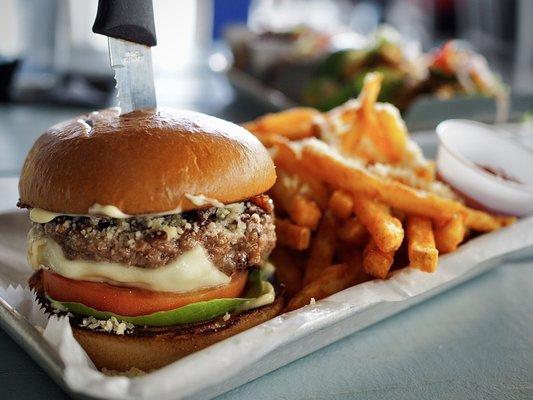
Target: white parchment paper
{"x": 257, "y": 350}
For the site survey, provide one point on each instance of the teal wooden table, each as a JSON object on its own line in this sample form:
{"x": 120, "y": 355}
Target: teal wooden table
{"x": 472, "y": 342}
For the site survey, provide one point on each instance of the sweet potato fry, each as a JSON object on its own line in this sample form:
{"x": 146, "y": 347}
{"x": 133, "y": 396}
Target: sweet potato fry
{"x": 370, "y": 92}
{"x": 376, "y": 262}
{"x": 286, "y": 159}
{"x": 393, "y": 134}
{"x": 322, "y": 249}
{"x": 352, "y": 231}
{"x": 305, "y": 212}
{"x": 288, "y": 272}
{"x": 284, "y": 191}
{"x": 449, "y": 234}
{"x": 354, "y": 258}
{"x": 386, "y": 230}
{"x": 330, "y": 167}
{"x": 296, "y": 123}
{"x": 482, "y": 222}
{"x": 421, "y": 244}
{"x": 291, "y": 235}
{"x": 267, "y": 139}
{"x": 341, "y": 204}
{"x": 331, "y": 280}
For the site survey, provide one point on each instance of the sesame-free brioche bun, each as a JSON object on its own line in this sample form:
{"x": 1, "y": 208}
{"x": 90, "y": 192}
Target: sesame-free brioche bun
{"x": 143, "y": 162}
{"x": 148, "y": 348}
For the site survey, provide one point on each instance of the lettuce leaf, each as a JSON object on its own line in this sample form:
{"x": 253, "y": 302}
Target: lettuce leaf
{"x": 191, "y": 313}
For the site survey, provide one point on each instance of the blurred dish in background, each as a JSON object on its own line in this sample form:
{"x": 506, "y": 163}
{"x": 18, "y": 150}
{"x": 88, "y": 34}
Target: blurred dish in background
{"x": 325, "y": 69}
{"x": 456, "y": 71}
{"x": 339, "y": 76}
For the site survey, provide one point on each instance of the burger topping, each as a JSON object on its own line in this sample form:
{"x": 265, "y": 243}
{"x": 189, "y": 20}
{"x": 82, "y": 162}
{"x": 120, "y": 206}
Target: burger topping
{"x": 235, "y": 236}
{"x": 110, "y": 325}
{"x": 201, "y": 200}
{"x": 41, "y": 216}
{"x": 191, "y": 271}
{"x": 108, "y": 211}
{"x": 259, "y": 293}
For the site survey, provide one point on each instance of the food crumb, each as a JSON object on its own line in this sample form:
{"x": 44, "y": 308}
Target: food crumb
{"x": 226, "y": 316}
{"x": 131, "y": 373}
{"x": 111, "y": 325}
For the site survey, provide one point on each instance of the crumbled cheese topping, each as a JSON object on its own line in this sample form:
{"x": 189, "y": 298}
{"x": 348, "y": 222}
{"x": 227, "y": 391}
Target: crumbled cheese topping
{"x": 111, "y": 325}
{"x": 60, "y": 309}
{"x": 404, "y": 174}
{"x": 409, "y": 177}
{"x": 227, "y": 218}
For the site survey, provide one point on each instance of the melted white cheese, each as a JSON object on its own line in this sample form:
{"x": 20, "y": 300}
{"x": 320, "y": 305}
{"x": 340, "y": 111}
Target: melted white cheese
{"x": 108, "y": 211}
{"x": 41, "y": 216}
{"x": 201, "y": 200}
{"x": 191, "y": 271}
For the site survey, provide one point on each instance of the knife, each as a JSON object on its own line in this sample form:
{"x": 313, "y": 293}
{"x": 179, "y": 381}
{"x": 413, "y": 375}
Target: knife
{"x": 129, "y": 26}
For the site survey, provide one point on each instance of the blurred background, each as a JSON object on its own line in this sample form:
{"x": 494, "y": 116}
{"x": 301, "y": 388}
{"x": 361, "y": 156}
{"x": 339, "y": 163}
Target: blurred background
{"x": 240, "y": 58}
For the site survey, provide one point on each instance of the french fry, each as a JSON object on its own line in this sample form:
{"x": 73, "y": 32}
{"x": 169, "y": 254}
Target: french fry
{"x": 376, "y": 262}
{"x": 370, "y": 92}
{"x": 482, "y": 222}
{"x": 375, "y": 134}
{"x": 449, "y": 234}
{"x": 352, "y": 231}
{"x": 341, "y": 204}
{"x": 283, "y": 191}
{"x": 305, "y": 212}
{"x": 267, "y": 139}
{"x": 286, "y": 159}
{"x": 421, "y": 248}
{"x": 392, "y": 134}
{"x": 288, "y": 272}
{"x": 291, "y": 235}
{"x": 330, "y": 167}
{"x": 295, "y": 123}
{"x": 327, "y": 165}
{"x": 322, "y": 249}
{"x": 354, "y": 259}
{"x": 331, "y": 280}
{"x": 386, "y": 230}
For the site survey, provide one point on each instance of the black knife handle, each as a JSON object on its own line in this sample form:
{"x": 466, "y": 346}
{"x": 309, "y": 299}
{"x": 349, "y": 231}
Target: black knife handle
{"x": 131, "y": 20}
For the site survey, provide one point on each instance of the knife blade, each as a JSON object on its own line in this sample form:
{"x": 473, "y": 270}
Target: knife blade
{"x": 132, "y": 63}
{"x": 129, "y": 25}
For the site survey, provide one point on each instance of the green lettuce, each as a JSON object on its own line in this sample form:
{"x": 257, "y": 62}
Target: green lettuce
{"x": 191, "y": 313}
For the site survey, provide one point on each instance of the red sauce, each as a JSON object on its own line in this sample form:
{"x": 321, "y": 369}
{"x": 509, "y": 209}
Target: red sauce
{"x": 500, "y": 173}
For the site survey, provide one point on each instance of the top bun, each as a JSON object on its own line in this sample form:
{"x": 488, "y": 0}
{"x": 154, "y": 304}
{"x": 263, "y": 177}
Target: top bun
{"x": 143, "y": 162}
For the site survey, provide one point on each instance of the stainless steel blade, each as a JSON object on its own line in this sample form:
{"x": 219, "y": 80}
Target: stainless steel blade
{"x": 132, "y": 64}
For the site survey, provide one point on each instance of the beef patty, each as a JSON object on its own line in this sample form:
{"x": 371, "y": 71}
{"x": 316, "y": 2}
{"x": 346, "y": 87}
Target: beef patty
{"x": 236, "y": 236}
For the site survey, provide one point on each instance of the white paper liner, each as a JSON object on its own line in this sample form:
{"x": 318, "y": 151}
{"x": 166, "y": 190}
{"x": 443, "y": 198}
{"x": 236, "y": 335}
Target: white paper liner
{"x": 208, "y": 372}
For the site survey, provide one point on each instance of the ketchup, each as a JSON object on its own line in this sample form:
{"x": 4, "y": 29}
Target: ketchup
{"x": 500, "y": 173}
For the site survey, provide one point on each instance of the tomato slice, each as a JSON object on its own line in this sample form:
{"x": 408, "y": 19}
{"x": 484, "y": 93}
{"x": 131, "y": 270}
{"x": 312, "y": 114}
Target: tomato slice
{"x": 132, "y": 301}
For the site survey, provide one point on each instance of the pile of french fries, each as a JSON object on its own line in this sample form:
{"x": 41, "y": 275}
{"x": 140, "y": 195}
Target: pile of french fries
{"x": 355, "y": 198}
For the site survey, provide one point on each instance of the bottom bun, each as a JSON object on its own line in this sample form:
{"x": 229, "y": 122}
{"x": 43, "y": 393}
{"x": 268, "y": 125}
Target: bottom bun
{"x": 148, "y": 348}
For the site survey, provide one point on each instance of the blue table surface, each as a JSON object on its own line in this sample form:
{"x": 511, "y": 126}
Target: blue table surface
{"x": 472, "y": 342}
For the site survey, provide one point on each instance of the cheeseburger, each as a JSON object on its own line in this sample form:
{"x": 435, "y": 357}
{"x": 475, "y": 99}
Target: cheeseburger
{"x": 150, "y": 230}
